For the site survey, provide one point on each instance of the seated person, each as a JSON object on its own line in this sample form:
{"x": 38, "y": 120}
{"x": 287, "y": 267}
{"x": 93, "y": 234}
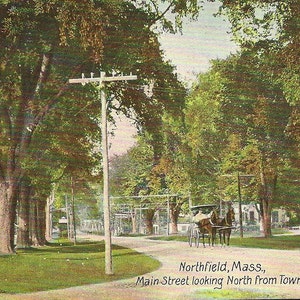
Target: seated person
{"x": 200, "y": 216}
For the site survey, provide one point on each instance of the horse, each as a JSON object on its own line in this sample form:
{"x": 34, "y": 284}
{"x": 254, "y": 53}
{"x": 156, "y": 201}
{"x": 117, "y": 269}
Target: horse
{"x": 225, "y": 226}
{"x": 207, "y": 226}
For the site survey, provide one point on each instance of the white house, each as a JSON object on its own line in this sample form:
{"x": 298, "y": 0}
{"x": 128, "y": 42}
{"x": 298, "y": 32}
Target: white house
{"x": 251, "y": 216}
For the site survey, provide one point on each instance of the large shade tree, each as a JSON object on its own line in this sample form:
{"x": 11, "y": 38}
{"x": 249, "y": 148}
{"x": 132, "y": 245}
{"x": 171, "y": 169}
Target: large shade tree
{"x": 249, "y": 117}
{"x": 271, "y": 27}
{"x": 34, "y": 66}
{"x": 204, "y": 139}
{"x": 45, "y": 43}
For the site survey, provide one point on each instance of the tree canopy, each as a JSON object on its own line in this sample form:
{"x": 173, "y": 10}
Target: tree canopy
{"x": 43, "y": 44}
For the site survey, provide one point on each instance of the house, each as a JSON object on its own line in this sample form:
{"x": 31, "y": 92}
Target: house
{"x": 251, "y": 216}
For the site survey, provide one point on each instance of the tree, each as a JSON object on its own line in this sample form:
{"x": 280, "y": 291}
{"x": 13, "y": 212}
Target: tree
{"x": 60, "y": 146}
{"x": 204, "y": 139}
{"x": 237, "y": 119}
{"x": 270, "y": 28}
{"x": 42, "y": 44}
{"x": 255, "y": 109}
{"x": 135, "y": 179}
{"x": 32, "y": 33}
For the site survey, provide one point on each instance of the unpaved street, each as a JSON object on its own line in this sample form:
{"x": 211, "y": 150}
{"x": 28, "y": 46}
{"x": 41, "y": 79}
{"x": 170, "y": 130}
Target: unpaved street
{"x": 186, "y": 271}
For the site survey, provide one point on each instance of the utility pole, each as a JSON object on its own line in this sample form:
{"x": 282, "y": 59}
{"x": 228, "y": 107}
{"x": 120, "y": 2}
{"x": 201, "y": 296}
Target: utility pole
{"x": 106, "y": 202}
{"x": 239, "y": 176}
{"x": 168, "y": 215}
{"x": 240, "y": 204}
{"x": 69, "y": 220}
{"x": 73, "y": 210}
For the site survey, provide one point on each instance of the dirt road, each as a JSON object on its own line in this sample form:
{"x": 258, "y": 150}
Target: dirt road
{"x": 185, "y": 272}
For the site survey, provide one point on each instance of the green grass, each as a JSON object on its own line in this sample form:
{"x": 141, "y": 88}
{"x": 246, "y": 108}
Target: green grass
{"x": 281, "y": 242}
{"x": 280, "y": 231}
{"x": 64, "y": 265}
{"x": 233, "y": 294}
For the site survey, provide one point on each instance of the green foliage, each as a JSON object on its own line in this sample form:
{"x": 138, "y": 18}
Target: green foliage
{"x": 255, "y": 110}
{"x": 49, "y": 129}
{"x": 43, "y": 44}
{"x": 259, "y": 20}
{"x": 287, "y": 193}
{"x": 69, "y": 265}
{"x": 33, "y": 55}
{"x": 159, "y": 11}
{"x": 237, "y": 119}
{"x": 269, "y": 27}
{"x": 204, "y": 140}
{"x": 268, "y": 73}
{"x": 130, "y": 174}
{"x": 205, "y": 101}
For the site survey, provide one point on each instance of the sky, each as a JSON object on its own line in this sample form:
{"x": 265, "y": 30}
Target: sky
{"x": 201, "y": 41}
{"x": 123, "y": 137}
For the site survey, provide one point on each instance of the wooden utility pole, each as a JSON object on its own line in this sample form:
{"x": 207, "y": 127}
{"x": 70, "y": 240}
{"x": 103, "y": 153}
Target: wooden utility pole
{"x": 240, "y": 205}
{"x": 106, "y": 202}
{"x": 69, "y": 220}
{"x": 73, "y": 211}
{"x": 239, "y": 176}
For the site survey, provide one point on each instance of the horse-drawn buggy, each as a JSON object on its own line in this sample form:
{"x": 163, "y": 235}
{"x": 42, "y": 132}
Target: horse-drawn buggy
{"x": 206, "y": 223}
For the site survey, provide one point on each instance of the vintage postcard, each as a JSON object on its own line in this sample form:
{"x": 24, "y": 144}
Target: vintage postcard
{"x": 149, "y": 149}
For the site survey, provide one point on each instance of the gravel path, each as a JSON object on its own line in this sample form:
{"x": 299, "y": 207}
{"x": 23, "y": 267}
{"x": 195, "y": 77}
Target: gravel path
{"x": 186, "y": 271}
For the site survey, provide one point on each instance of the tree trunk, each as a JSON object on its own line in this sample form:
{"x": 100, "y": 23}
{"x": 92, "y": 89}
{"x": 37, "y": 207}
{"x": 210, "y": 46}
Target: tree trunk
{"x": 23, "y": 240}
{"x": 42, "y": 222}
{"x": 266, "y": 212}
{"x": 149, "y": 215}
{"x": 33, "y": 225}
{"x": 267, "y": 220}
{"x": 174, "y": 213}
{"x": 7, "y": 216}
{"x": 268, "y": 183}
{"x": 37, "y": 223}
{"x": 133, "y": 221}
{"x": 48, "y": 214}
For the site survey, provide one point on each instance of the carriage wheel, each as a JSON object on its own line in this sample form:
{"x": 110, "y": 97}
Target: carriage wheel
{"x": 190, "y": 236}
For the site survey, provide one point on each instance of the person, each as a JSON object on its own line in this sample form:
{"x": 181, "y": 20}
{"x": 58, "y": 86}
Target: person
{"x": 201, "y": 216}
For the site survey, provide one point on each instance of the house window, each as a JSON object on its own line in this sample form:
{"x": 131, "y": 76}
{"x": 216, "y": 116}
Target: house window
{"x": 275, "y": 218}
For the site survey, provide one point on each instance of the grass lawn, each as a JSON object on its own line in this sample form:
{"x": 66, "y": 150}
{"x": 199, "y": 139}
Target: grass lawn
{"x": 234, "y": 294}
{"x": 64, "y": 265}
{"x": 280, "y": 242}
